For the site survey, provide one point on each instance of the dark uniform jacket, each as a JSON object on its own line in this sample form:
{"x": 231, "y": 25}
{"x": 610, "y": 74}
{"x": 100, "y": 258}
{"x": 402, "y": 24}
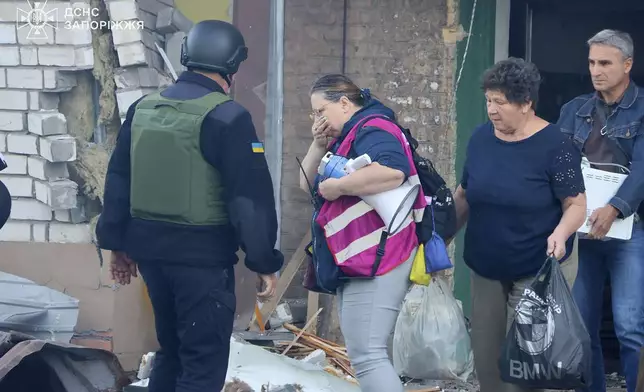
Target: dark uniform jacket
{"x": 227, "y": 136}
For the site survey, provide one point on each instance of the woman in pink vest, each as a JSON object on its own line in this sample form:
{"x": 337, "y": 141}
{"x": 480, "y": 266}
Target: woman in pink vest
{"x": 349, "y": 122}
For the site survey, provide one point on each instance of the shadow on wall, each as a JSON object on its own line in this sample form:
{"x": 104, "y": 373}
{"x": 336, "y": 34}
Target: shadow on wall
{"x": 198, "y": 10}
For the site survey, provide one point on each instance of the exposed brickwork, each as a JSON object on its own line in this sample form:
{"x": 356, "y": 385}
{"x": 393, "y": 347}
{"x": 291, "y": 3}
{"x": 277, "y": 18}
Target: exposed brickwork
{"x": 34, "y": 134}
{"x": 38, "y": 137}
{"x": 98, "y": 340}
{"x": 395, "y": 48}
{"x": 313, "y": 46}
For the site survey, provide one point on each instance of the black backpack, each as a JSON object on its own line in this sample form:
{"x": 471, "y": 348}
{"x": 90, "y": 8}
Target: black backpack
{"x": 442, "y": 206}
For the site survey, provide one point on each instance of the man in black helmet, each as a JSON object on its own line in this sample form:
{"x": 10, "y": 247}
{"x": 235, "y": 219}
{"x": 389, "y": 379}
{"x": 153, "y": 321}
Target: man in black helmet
{"x": 187, "y": 185}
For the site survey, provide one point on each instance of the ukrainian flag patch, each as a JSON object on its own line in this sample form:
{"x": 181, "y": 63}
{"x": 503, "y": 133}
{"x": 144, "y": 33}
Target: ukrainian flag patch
{"x": 258, "y": 147}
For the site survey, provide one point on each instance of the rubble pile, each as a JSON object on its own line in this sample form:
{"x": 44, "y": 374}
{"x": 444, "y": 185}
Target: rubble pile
{"x": 313, "y": 349}
{"x": 310, "y": 365}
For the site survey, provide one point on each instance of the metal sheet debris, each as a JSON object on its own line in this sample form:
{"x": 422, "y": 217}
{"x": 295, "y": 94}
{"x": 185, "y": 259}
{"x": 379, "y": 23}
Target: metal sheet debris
{"x": 36, "y": 310}
{"x": 257, "y": 366}
{"x": 28, "y": 364}
{"x": 259, "y": 369}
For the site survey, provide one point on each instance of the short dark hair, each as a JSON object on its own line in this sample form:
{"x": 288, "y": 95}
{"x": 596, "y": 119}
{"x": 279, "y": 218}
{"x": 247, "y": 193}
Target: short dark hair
{"x": 518, "y": 79}
{"x": 336, "y": 86}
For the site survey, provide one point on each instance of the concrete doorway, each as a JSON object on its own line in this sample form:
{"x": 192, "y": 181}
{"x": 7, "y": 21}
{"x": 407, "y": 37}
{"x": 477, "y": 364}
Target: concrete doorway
{"x": 553, "y": 35}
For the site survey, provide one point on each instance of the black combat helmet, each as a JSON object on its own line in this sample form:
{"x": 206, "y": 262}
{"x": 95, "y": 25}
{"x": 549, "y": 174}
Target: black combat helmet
{"x": 214, "y": 46}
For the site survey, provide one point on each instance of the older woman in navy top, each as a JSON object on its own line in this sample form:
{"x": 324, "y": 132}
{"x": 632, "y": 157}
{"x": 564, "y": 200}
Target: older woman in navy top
{"x": 523, "y": 197}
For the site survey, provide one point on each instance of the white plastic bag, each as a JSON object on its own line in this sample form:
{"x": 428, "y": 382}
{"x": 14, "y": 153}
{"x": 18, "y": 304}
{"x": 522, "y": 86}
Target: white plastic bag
{"x": 431, "y": 341}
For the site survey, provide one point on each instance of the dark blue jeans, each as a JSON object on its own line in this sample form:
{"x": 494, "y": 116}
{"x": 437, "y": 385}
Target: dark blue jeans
{"x": 623, "y": 263}
{"x": 194, "y": 310}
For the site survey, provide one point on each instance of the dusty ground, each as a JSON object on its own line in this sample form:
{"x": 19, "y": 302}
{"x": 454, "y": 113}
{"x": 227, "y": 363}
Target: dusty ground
{"x": 614, "y": 383}
{"x": 447, "y": 386}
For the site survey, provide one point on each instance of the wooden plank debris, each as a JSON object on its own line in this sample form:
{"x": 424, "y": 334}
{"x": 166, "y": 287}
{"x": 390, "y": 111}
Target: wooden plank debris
{"x": 299, "y": 334}
{"x": 336, "y": 353}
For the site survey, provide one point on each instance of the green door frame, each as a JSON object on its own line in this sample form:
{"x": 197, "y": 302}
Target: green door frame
{"x": 470, "y": 108}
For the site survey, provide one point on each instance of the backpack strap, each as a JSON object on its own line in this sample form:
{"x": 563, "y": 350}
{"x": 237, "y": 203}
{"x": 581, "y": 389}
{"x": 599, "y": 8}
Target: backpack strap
{"x": 362, "y": 122}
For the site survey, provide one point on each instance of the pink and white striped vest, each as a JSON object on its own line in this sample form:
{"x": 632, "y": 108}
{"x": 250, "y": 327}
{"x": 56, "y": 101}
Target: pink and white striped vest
{"x": 353, "y": 228}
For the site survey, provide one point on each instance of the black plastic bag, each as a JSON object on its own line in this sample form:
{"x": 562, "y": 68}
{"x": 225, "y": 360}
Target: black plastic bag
{"x": 547, "y": 346}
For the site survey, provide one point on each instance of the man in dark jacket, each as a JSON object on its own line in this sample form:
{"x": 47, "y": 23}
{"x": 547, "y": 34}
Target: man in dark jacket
{"x": 188, "y": 184}
{"x": 607, "y": 125}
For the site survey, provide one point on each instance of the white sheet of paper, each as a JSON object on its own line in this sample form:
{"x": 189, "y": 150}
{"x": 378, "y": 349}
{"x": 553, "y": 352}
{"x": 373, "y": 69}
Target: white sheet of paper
{"x": 601, "y": 186}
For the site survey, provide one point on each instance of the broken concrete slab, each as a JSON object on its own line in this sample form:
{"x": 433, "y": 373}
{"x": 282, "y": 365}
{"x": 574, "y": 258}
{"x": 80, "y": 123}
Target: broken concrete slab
{"x": 281, "y": 316}
{"x": 145, "y": 368}
{"x": 317, "y": 357}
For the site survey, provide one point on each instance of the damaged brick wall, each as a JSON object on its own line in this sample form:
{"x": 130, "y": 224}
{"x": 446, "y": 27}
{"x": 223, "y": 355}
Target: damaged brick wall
{"x": 63, "y": 95}
{"x": 34, "y": 134}
{"x": 62, "y": 100}
{"x": 400, "y": 49}
{"x": 141, "y": 67}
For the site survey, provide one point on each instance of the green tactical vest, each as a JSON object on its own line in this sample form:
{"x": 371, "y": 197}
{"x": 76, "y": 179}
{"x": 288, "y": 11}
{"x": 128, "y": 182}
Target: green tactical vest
{"x": 170, "y": 179}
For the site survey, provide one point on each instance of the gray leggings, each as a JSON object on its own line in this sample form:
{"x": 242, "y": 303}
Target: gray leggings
{"x": 368, "y": 312}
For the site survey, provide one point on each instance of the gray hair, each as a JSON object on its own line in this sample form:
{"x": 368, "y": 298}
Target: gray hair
{"x": 617, "y": 39}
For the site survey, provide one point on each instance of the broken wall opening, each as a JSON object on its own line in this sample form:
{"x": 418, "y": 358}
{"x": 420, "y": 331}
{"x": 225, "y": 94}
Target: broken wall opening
{"x": 94, "y": 122}
{"x": 82, "y": 119}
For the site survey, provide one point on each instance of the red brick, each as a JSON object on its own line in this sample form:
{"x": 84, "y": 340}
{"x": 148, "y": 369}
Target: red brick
{"x": 98, "y": 340}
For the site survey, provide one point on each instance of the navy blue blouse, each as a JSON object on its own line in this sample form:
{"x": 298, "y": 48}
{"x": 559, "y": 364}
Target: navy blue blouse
{"x": 514, "y": 191}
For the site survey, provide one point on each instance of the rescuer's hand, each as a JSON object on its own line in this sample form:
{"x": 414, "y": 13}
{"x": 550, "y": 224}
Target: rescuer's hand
{"x": 266, "y": 286}
{"x": 122, "y": 268}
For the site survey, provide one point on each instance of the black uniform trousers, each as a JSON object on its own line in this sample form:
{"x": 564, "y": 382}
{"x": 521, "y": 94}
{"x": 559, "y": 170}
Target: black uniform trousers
{"x": 194, "y": 310}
